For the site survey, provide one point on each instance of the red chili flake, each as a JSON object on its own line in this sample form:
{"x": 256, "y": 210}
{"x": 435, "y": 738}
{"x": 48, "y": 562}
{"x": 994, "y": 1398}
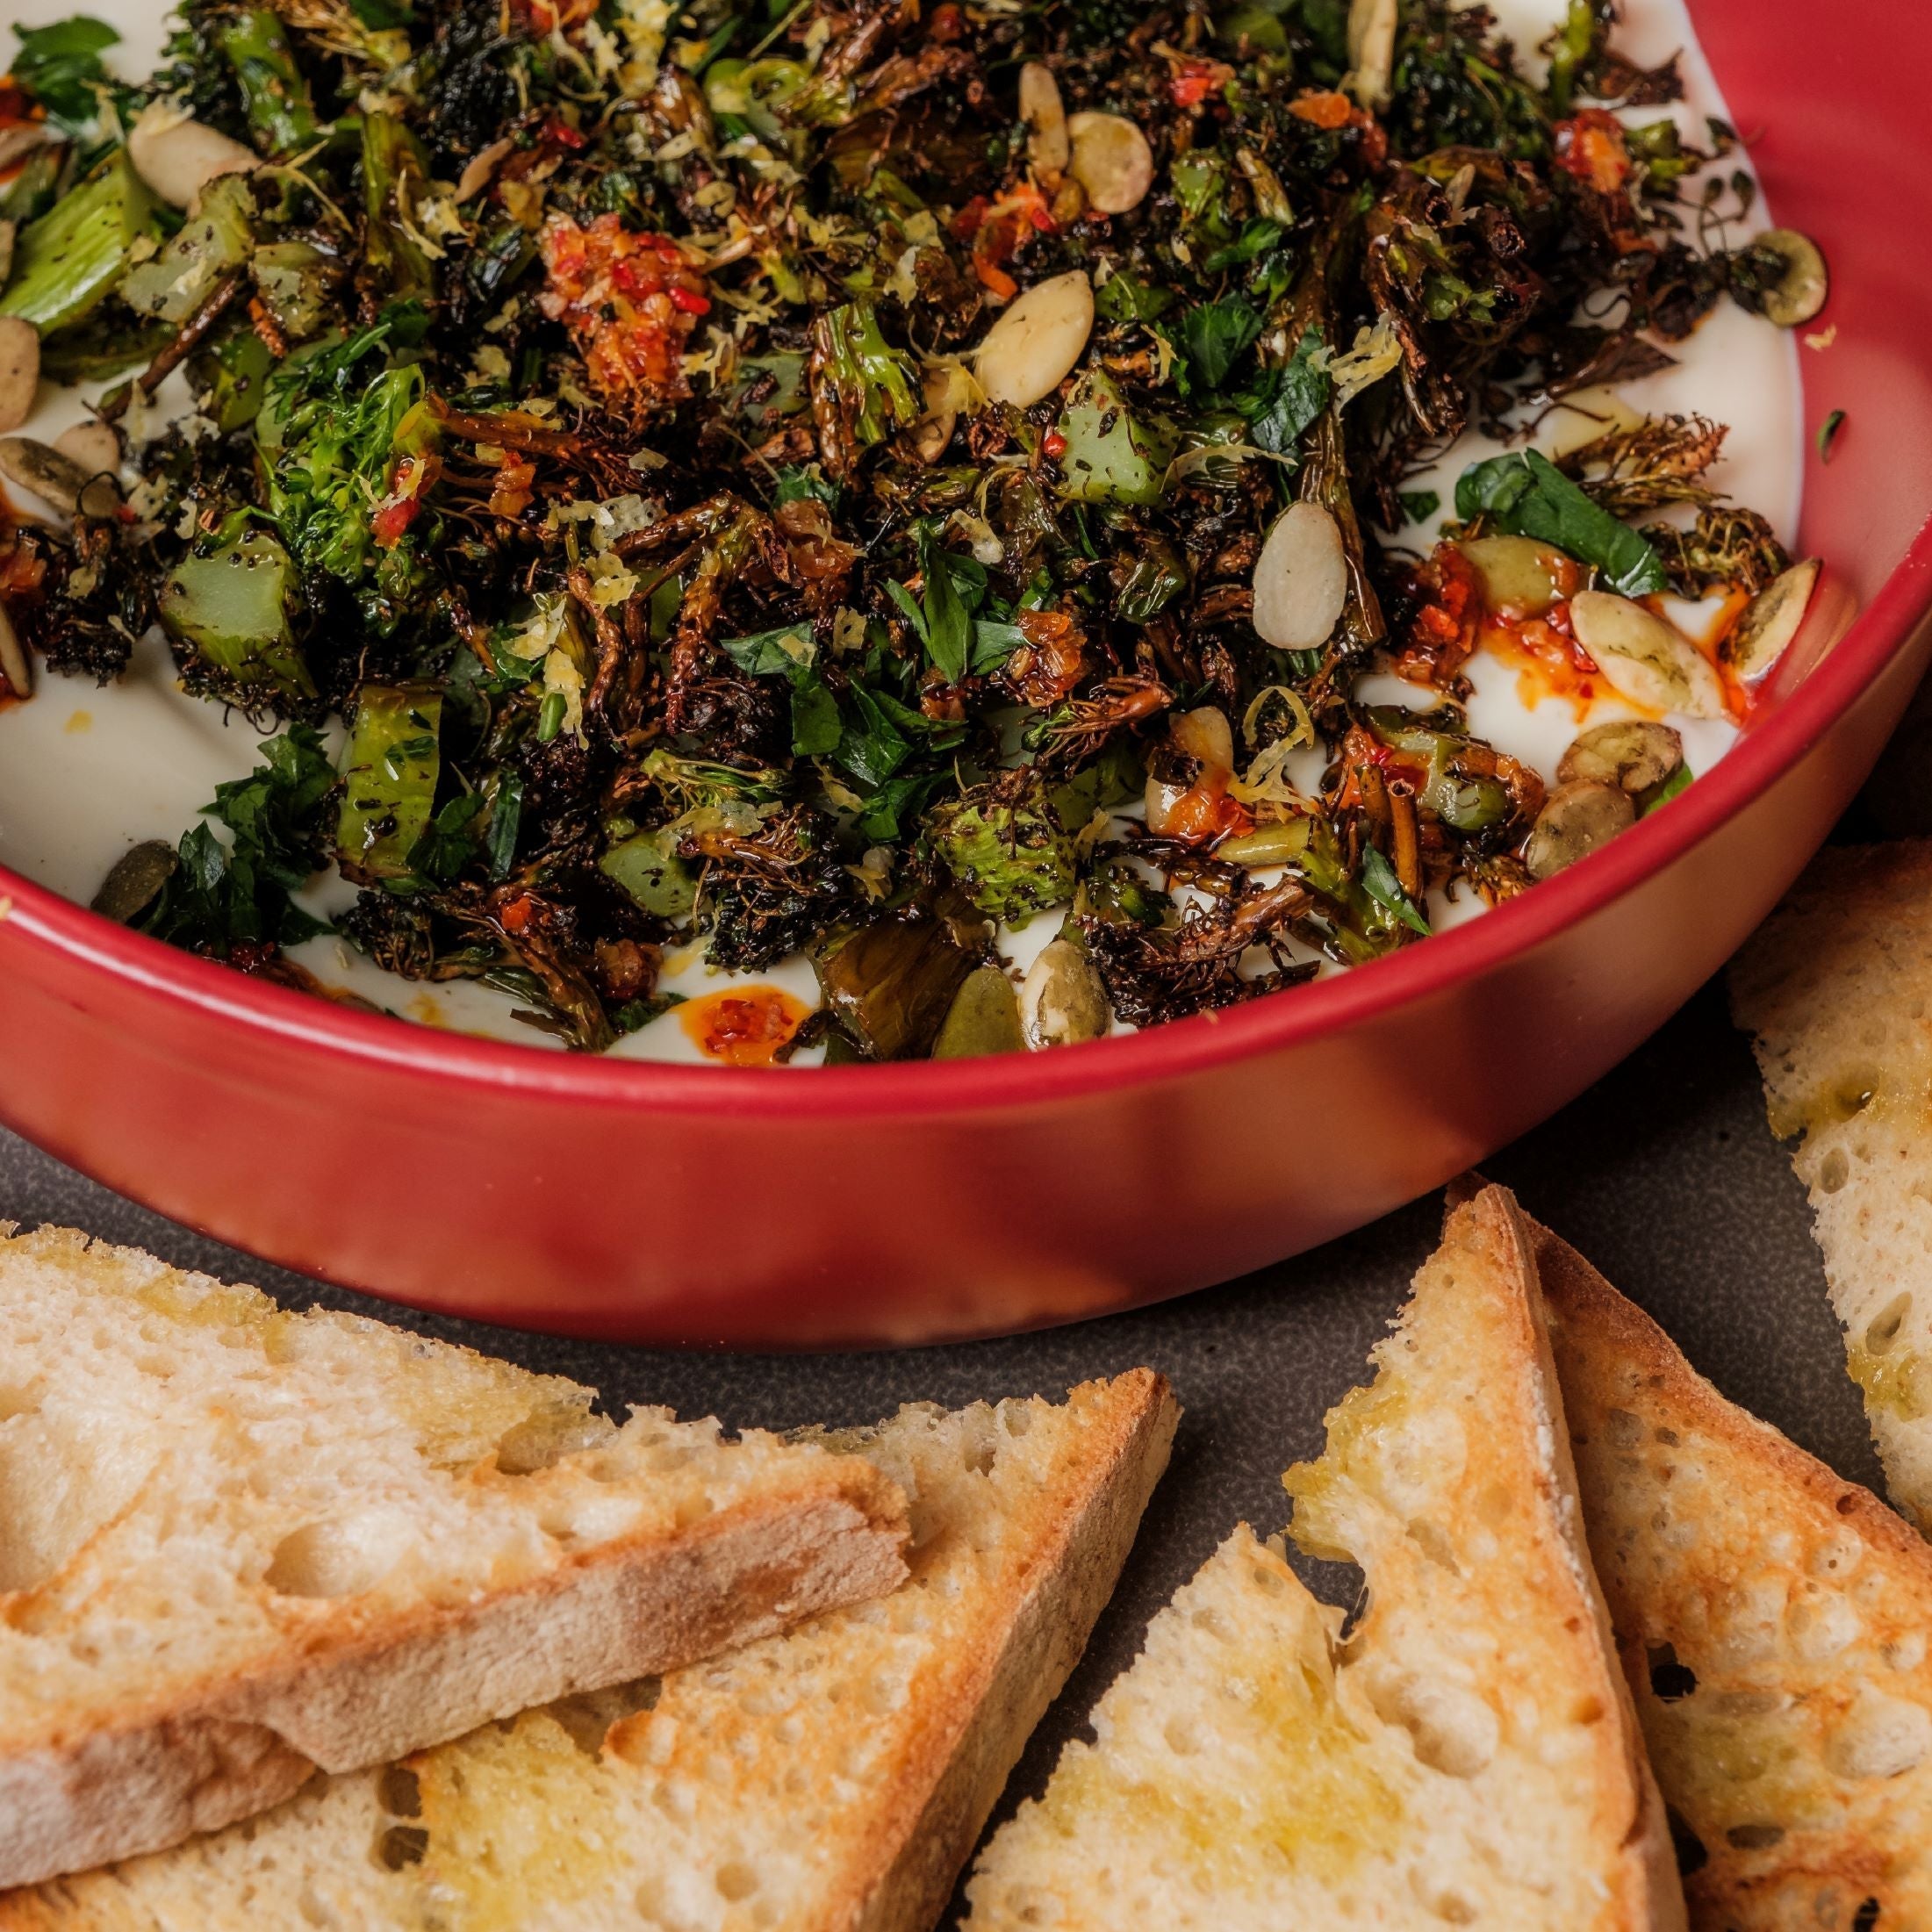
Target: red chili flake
{"x": 630, "y": 300}
{"x": 948, "y": 24}
{"x": 692, "y": 304}
{"x": 1193, "y": 80}
{"x": 1329, "y": 111}
{"x": 1590, "y": 145}
{"x": 517, "y": 913}
{"x": 743, "y": 1026}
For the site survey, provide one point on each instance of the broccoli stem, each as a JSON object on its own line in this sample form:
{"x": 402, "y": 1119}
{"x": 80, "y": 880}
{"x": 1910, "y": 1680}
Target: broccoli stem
{"x": 230, "y": 607}
{"x": 395, "y": 172}
{"x": 65, "y": 263}
{"x": 279, "y": 108}
{"x": 389, "y": 781}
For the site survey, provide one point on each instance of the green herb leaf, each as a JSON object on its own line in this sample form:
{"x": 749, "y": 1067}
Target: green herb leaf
{"x": 1418, "y": 505}
{"x": 1216, "y": 335}
{"x": 994, "y": 644}
{"x": 1124, "y": 297}
{"x": 61, "y": 66}
{"x": 816, "y": 727}
{"x": 1828, "y": 434}
{"x": 1299, "y": 393}
{"x": 949, "y": 629}
{"x": 1379, "y": 881}
{"x": 765, "y": 651}
{"x": 1257, "y": 237}
{"x": 1674, "y": 786}
{"x": 1527, "y": 495}
{"x": 872, "y": 750}
{"x": 505, "y": 819}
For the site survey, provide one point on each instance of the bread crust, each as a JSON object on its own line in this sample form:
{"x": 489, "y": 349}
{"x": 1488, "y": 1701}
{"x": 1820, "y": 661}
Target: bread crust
{"x": 357, "y": 1683}
{"x": 1749, "y": 1509}
{"x": 1647, "y": 1875}
{"x": 974, "y": 1742}
{"x": 357, "y": 1696}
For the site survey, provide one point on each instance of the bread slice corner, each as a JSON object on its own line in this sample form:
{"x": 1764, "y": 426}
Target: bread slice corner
{"x": 1465, "y": 1755}
{"x": 1835, "y": 988}
{"x": 238, "y": 1544}
{"x": 832, "y": 1779}
{"x": 1774, "y": 1625}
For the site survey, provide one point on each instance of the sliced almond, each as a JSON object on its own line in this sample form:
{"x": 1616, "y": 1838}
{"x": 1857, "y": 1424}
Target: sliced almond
{"x": 1047, "y": 145}
{"x": 1371, "y": 50}
{"x": 481, "y": 169}
{"x": 178, "y": 157}
{"x": 1763, "y": 633}
{"x": 56, "y": 479}
{"x": 1301, "y": 579}
{"x": 1031, "y": 349}
{"x": 19, "y": 371}
{"x": 15, "y": 665}
{"x": 1646, "y": 660}
{"x": 8, "y": 230}
{"x": 1111, "y": 160}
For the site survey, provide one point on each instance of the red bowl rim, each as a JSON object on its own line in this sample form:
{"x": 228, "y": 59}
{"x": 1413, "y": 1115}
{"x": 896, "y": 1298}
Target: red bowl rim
{"x": 1183, "y": 1048}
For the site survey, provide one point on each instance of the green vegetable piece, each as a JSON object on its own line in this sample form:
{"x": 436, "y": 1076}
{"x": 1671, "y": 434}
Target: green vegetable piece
{"x": 1828, "y": 431}
{"x": 1288, "y": 399}
{"x": 656, "y": 879}
{"x": 1660, "y": 796}
{"x": 1012, "y": 860}
{"x": 293, "y": 280}
{"x": 1158, "y": 576}
{"x": 1216, "y": 335}
{"x": 389, "y": 781}
{"x": 1111, "y": 455}
{"x": 171, "y": 285}
{"x": 231, "y": 606}
{"x": 280, "y": 113}
{"x": 60, "y": 65}
{"x": 1527, "y": 495}
{"x": 65, "y": 263}
{"x": 892, "y": 984}
{"x": 1124, "y": 298}
{"x": 30, "y": 193}
{"x": 233, "y": 377}
{"x": 1379, "y": 881}
{"x": 872, "y": 383}
{"x": 395, "y": 177}
{"x": 985, "y": 1018}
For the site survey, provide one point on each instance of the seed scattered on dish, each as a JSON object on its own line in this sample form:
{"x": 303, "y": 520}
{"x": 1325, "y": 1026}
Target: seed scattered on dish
{"x": 1645, "y": 659}
{"x": 177, "y": 156}
{"x": 1634, "y": 754}
{"x": 1301, "y": 579}
{"x": 19, "y": 371}
{"x": 1031, "y": 349}
{"x": 1794, "y": 296}
{"x": 1062, "y": 1002}
{"x": 1770, "y": 622}
{"x": 1576, "y": 819}
{"x": 1111, "y": 160}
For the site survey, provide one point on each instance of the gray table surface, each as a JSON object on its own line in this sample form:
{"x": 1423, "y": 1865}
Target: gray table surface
{"x": 1665, "y": 1175}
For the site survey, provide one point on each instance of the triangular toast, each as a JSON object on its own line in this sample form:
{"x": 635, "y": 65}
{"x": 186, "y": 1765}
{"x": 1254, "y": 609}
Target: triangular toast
{"x": 1466, "y": 1756}
{"x": 1837, "y": 988}
{"x": 237, "y": 1544}
{"x": 830, "y": 1780}
{"x": 1774, "y": 1625}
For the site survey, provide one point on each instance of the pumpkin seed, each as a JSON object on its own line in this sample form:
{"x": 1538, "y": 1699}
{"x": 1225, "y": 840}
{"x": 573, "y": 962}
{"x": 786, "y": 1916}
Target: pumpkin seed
{"x": 1111, "y": 160}
{"x": 56, "y": 478}
{"x": 1575, "y": 820}
{"x": 1031, "y": 350}
{"x": 1645, "y": 659}
{"x": 135, "y": 881}
{"x": 1062, "y": 1002}
{"x": 1763, "y": 632}
{"x": 1799, "y": 291}
{"x": 1633, "y": 754}
{"x": 1521, "y": 577}
{"x": 984, "y": 1018}
{"x": 1047, "y": 145}
{"x": 19, "y": 371}
{"x": 1301, "y": 579}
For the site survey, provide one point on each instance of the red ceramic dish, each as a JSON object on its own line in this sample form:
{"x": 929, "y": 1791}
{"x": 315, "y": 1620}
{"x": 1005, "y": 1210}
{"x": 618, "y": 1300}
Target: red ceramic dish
{"x": 901, "y": 1205}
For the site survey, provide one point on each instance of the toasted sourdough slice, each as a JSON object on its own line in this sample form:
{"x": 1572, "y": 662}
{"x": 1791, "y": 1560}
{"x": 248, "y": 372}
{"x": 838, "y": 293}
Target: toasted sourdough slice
{"x": 1467, "y": 1756}
{"x": 830, "y": 1780}
{"x": 1837, "y": 988}
{"x": 1773, "y": 1621}
{"x": 236, "y": 1544}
